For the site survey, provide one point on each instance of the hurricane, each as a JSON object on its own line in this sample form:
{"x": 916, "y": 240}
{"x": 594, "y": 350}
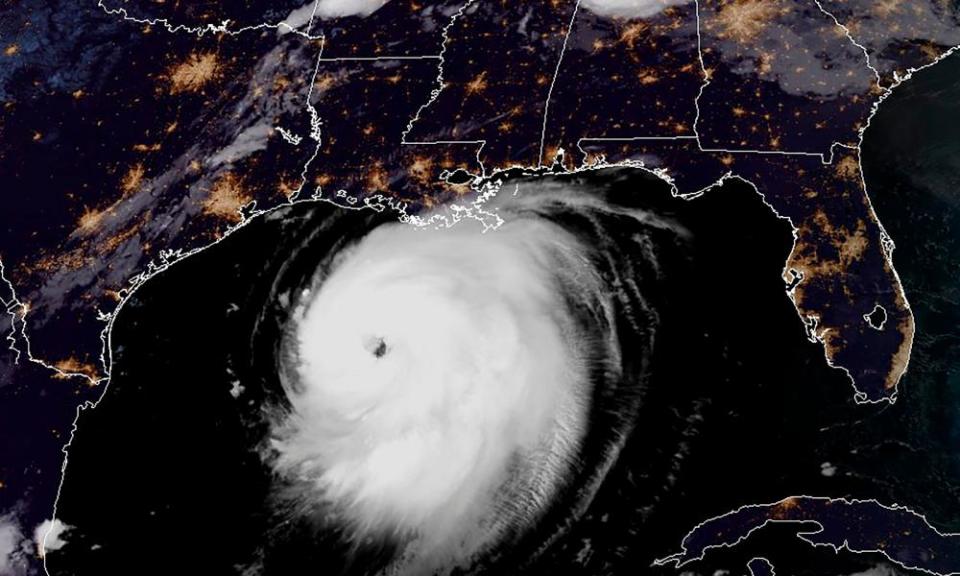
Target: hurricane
{"x": 444, "y": 387}
{"x": 536, "y": 378}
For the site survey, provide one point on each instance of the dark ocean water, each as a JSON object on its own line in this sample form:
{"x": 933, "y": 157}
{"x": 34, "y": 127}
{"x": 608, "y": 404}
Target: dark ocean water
{"x": 772, "y": 412}
{"x": 744, "y": 409}
{"x": 911, "y": 159}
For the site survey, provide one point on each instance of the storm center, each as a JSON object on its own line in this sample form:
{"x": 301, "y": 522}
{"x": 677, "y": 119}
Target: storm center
{"x": 375, "y": 345}
{"x": 460, "y": 413}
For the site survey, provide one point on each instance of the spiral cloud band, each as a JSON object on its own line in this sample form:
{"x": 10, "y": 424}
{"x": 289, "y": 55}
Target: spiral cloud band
{"x": 446, "y": 390}
{"x": 428, "y": 397}
{"x": 440, "y": 382}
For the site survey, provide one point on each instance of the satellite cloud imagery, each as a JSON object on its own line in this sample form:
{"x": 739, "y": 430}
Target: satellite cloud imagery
{"x": 438, "y": 287}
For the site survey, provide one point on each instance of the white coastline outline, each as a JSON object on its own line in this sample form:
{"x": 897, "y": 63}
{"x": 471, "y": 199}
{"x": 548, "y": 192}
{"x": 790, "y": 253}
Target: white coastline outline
{"x": 826, "y": 158}
{"x": 886, "y": 317}
{"x": 770, "y": 566}
{"x": 678, "y": 559}
{"x": 13, "y": 305}
{"x": 222, "y": 28}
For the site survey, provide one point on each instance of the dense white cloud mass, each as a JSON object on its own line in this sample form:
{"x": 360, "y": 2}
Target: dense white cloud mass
{"x": 297, "y": 18}
{"x": 10, "y": 538}
{"x": 330, "y": 9}
{"x": 338, "y": 8}
{"x": 441, "y": 391}
{"x": 629, "y": 8}
{"x": 49, "y": 536}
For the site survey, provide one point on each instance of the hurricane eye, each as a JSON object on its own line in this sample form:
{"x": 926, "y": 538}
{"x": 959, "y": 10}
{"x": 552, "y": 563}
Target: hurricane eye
{"x": 375, "y": 345}
{"x": 415, "y": 400}
{"x": 473, "y": 429}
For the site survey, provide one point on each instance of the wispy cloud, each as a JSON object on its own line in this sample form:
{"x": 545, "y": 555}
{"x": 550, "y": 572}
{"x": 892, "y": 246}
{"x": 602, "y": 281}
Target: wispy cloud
{"x": 12, "y": 553}
{"x": 629, "y": 8}
{"x": 880, "y": 570}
